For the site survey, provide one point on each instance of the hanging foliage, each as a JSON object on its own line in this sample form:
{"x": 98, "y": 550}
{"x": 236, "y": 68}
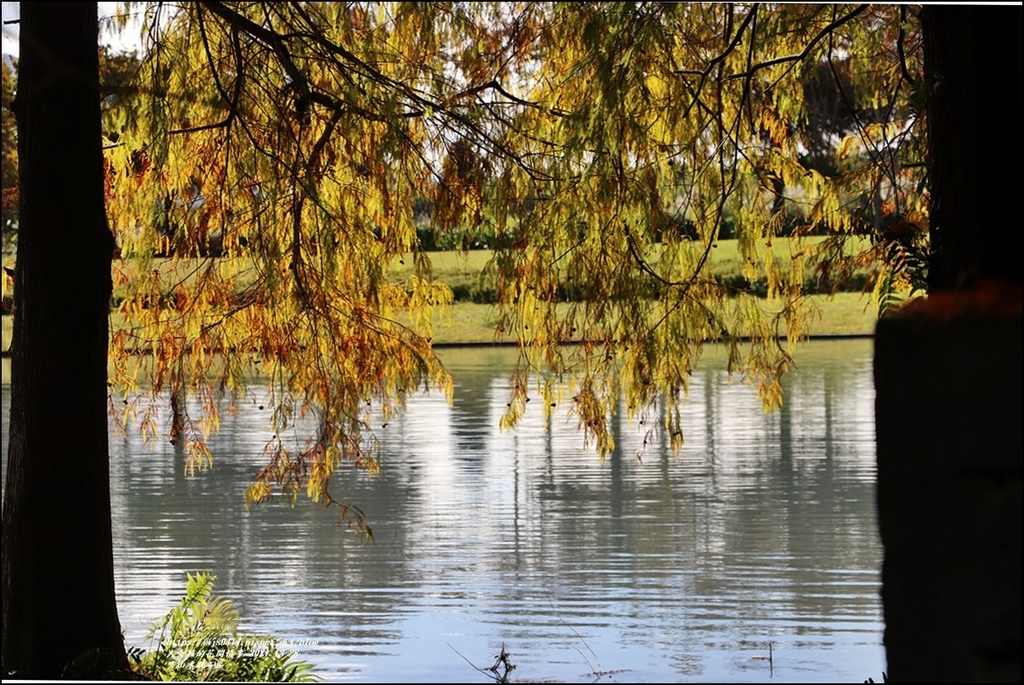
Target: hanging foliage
{"x": 265, "y": 182}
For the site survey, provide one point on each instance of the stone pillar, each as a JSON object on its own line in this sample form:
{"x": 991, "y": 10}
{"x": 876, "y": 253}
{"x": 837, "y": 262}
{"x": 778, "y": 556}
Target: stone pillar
{"x": 948, "y": 422}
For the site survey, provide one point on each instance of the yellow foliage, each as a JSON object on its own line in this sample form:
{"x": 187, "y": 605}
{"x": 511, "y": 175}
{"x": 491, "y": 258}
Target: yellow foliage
{"x": 267, "y": 174}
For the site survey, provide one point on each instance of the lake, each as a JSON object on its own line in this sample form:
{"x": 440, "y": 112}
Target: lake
{"x": 753, "y": 555}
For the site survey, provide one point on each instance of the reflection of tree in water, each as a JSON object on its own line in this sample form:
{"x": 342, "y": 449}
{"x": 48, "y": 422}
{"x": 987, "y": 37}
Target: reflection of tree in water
{"x": 472, "y": 424}
{"x": 742, "y": 531}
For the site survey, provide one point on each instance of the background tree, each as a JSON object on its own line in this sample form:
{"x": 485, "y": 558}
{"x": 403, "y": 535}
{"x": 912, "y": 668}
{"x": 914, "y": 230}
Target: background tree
{"x": 58, "y": 575}
{"x": 116, "y": 72}
{"x": 9, "y": 150}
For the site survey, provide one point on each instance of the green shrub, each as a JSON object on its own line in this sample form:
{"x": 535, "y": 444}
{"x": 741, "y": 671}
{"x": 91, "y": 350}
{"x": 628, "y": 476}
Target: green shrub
{"x": 199, "y": 640}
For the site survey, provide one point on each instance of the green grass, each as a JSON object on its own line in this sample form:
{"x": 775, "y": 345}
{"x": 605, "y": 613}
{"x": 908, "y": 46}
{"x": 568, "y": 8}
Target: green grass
{"x": 842, "y": 314}
{"x": 467, "y": 322}
{"x": 463, "y": 271}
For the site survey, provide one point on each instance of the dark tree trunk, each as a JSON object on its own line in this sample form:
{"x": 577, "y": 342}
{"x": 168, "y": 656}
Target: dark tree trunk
{"x": 58, "y": 580}
{"x": 947, "y": 374}
{"x": 973, "y": 78}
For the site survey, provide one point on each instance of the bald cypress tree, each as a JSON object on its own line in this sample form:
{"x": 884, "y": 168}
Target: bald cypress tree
{"x": 59, "y": 612}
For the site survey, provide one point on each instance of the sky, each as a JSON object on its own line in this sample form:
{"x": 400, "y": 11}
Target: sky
{"x": 10, "y": 32}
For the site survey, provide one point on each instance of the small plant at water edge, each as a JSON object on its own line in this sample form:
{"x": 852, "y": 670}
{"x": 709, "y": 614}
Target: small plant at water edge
{"x": 198, "y": 640}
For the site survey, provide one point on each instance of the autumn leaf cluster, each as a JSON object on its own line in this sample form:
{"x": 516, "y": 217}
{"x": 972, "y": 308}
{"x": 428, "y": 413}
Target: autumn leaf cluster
{"x": 265, "y": 175}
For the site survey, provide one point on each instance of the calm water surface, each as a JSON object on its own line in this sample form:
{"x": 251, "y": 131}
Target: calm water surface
{"x": 666, "y": 569}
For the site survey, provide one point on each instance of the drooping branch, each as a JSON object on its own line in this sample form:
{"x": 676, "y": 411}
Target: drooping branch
{"x": 419, "y": 105}
{"x": 808, "y": 48}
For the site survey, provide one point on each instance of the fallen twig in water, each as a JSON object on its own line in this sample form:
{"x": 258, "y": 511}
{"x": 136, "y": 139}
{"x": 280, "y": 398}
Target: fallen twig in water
{"x": 501, "y": 669}
{"x": 597, "y": 672}
{"x": 770, "y": 659}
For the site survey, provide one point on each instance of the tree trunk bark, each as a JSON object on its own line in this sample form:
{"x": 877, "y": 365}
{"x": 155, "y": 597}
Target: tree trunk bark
{"x": 947, "y": 374}
{"x": 972, "y": 60}
{"x": 59, "y": 611}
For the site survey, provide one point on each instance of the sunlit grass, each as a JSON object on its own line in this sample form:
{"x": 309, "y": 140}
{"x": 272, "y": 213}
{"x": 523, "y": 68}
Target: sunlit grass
{"x": 846, "y": 313}
{"x": 463, "y": 269}
{"x": 842, "y": 314}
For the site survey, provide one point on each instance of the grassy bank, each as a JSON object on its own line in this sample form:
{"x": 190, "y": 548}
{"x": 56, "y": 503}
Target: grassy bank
{"x": 843, "y": 314}
{"x": 472, "y": 318}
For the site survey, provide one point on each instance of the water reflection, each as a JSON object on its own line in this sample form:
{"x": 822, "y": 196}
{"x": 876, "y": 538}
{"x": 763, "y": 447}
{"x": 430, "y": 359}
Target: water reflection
{"x": 674, "y": 568}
